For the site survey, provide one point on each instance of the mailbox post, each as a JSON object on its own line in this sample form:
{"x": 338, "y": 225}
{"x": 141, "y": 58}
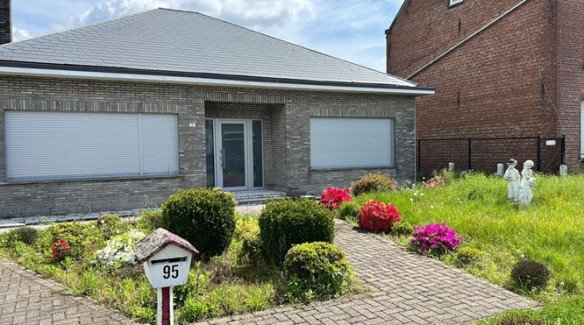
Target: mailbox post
{"x": 166, "y": 258}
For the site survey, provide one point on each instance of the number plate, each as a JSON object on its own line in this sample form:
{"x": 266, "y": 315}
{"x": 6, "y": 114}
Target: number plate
{"x": 168, "y": 274}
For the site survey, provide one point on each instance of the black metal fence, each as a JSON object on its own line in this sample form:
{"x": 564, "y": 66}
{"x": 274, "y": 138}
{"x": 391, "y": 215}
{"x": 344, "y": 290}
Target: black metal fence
{"x": 483, "y": 154}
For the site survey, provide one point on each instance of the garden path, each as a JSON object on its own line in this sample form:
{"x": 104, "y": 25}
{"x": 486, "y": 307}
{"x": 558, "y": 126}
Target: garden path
{"x": 406, "y": 288}
{"x": 27, "y": 298}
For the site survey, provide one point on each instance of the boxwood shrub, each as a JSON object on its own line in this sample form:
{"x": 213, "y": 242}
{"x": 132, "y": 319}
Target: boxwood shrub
{"x": 374, "y": 183}
{"x": 317, "y": 271}
{"x": 284, "y": 223}
{"x": 204, "y": 217}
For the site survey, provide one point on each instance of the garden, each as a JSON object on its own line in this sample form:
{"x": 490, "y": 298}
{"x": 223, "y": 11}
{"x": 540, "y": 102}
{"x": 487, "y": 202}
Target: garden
{"x": 466, "y": 220}
{"x": 245, "y": 264}
{"x": 286, "y": 255}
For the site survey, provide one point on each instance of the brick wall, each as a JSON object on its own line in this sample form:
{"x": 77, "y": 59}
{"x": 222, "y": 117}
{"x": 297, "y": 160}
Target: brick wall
{"x": 5, "y": 22}
{"x": 570, "y": 65}
{"x": 286, "y": 114}
{"x": 492, "y": 85}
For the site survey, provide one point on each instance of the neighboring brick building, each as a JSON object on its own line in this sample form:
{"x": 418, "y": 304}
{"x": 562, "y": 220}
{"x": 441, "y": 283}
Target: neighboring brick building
{"x": 506, "y": 68}
{"x": 120, "y": 115}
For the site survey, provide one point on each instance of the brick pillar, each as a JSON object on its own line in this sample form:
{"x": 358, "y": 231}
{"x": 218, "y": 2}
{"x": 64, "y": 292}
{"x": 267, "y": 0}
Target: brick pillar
{"x": 5, "y": 22}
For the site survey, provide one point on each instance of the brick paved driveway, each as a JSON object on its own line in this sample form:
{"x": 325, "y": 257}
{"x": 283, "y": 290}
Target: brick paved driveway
{"x": 26, "y": 298}
{"x": 405, "y": 289}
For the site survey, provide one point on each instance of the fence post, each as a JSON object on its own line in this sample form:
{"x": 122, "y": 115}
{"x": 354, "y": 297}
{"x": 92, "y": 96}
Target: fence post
{"x": 538, "y": 161}
{"x": 469, "y": 154}
{"x": 563, "y": 150}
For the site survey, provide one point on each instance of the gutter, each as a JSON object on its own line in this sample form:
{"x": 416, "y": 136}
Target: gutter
{"x": 146, "y": 76}
{"x": 452, "y": 49}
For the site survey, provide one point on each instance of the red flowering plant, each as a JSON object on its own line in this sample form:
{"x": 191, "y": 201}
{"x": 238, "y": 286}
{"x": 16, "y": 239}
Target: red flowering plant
{"x": 60, "y": 249}
{"x": 378, "y": 217}
{"x": 332, "y": 197}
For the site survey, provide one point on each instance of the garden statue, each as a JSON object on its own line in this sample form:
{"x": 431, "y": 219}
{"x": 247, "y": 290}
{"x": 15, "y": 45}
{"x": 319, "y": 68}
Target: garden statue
{"x": 527, "y": 182}
{"x": 512, "y": 176}
{"x": 563, "y": 170}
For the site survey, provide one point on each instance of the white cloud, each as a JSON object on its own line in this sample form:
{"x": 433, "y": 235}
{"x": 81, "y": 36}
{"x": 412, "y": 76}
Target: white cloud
{"x": 252, "y": 13}
{"x": 19, "y": 34}
{"x": 349, "y": 29}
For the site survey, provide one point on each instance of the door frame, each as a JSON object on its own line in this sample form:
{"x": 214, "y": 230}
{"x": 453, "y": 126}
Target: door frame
{"x": 248, "y": 150}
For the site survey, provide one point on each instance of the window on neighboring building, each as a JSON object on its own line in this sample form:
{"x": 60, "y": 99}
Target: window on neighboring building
{"x": 337, "y": 143}
{"x": 58, "y": 145}
{"x": 454, "y": 2}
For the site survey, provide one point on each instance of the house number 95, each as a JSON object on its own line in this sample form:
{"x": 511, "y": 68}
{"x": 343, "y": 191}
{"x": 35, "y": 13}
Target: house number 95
{"x": 170, "y": 271}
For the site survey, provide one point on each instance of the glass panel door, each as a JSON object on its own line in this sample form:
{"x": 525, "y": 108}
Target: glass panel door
{"x": 233, "y": 157}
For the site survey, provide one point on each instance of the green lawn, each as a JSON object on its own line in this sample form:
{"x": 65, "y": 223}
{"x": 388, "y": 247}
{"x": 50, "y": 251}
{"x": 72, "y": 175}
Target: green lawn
{"x": 551, "y": 231}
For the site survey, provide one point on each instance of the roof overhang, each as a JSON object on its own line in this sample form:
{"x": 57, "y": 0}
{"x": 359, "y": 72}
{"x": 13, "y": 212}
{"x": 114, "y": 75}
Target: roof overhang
{"x": 202, "y": 79}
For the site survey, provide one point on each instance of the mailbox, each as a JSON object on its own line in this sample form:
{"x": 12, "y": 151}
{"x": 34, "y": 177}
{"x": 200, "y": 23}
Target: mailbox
{"x": 166, "y": 258}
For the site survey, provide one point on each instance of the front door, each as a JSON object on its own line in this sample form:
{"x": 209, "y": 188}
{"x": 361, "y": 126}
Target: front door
{"x": 238, "y": 154}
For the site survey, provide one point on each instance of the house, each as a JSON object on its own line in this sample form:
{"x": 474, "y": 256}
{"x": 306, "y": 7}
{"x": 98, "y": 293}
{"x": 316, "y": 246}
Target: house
{"x": 509, "y": 69}
{"x": 121, "y": 114}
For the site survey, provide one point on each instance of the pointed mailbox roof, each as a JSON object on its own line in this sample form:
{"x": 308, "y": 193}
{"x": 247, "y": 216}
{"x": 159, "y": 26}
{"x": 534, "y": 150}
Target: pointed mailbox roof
{"x": 157, "y": 241}
{"x": 172, "y": 42}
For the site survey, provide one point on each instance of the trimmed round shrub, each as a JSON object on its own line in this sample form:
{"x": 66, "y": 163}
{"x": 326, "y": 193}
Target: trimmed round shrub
{"x": 77, "y": 236}
{"x": 150, "y": 220}
{"x": 402, "y": 228}
{"x": 333, "y": 197}
{"x": 520, "y": 320}
{"x": 467, "y": 256}
{"x": 530, "y": 274}
{"x": 317, "y": 271}
{"x": 435, "y": 238}
{"x": 247, "y": 230}
{"x": 374, "y": 183}
{"x": 378, "y": 217}
{"x": 284, "y": 223}
{"x": 349, "y": 211}
{"x": 110, "y": 225}
{"x": 27, "y": 235}
{"x": 204, "y": 217}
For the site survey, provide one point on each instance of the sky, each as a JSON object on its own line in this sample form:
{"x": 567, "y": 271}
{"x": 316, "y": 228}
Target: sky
{"x": 353, "y": 30}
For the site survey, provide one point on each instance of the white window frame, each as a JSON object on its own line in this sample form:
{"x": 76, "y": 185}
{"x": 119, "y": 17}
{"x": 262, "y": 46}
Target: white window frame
{"x": 391, "y": 142}
{"x": 454, "y": 2}
{"x": 140, "y": 168}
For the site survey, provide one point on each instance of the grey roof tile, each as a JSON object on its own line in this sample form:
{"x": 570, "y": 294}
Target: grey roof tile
{"x": 182, "y": 41}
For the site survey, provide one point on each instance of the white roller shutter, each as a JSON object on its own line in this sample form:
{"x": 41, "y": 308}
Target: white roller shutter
{"x": 59, "y": 145}
{"x": 351, "y": 143}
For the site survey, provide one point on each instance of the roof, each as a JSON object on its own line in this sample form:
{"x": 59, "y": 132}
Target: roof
{"x": 158, "y": 240}
{"x": 172, "y": 41}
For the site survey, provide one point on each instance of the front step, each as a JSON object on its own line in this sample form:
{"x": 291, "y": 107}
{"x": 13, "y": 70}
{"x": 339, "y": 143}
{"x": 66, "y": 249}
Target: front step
{"x": 257, "y": 197}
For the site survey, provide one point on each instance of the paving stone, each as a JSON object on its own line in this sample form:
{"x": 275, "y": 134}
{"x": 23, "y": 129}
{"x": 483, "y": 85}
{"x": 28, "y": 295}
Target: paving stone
{"x": 26, "y": 298}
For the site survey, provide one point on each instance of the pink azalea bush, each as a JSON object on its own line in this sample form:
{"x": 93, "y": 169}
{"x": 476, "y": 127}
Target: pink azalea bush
{"x": 435, "y": 238}
{"x": 332, "y": 197}
{"x": 378, "y": 217}
{"x": 435, "y": 181}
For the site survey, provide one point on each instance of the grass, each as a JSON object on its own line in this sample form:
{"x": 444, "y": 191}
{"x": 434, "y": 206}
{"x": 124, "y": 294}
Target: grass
{"x": 225, "y": 285}
{"x": 550, "y": 231}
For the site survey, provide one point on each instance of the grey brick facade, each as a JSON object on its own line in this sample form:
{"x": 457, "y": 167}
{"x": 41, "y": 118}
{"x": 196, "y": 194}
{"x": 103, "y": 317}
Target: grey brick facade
{"x": 285, "y": 117}
{"x": 5, "y": 22}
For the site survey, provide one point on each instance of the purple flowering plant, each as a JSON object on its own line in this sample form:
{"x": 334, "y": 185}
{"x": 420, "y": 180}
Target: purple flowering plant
{"x": 435, "y": 238}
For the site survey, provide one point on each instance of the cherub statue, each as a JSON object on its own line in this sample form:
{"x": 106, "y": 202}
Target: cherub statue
{"x": 513, "y": 177}
{"x": 527, "y": 182}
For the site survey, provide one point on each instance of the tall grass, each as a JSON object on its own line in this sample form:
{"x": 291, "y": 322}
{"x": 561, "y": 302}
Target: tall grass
{"x": 550, "y": 231}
